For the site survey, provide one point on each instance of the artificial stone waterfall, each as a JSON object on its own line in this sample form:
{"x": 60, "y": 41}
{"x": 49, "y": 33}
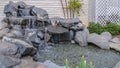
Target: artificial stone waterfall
{"x": 32, "y": 25}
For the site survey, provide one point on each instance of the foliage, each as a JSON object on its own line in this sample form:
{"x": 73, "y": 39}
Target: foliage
{"x": 75, "y": 6}
{"x": 82, "y": 64}
{"x": 95, "y": 28}
{"x": 67, "y": 66}
{"x": 113, "y": 28}
{"x": 21, "y": 66}
{"x": 90, "y": 65}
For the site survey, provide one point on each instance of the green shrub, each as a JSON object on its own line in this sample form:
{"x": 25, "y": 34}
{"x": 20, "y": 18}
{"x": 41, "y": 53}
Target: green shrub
{"x": 95, "y": 28}
{"x": 113, "y": 28}
{"x": 82, "y": 64}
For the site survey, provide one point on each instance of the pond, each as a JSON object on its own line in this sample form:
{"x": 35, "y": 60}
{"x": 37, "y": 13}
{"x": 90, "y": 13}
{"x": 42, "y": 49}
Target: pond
{"x": 73, "y": 52}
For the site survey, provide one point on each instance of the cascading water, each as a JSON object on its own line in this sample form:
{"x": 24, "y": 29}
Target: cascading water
{"x": 36, "y": 20}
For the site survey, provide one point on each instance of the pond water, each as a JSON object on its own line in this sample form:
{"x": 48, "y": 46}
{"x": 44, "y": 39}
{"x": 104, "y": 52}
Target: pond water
{"x": 73, "y": 52}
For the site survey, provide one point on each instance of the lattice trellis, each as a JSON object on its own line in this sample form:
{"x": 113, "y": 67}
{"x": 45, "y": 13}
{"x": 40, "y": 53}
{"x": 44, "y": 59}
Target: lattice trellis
{"x": 107, "y": 10}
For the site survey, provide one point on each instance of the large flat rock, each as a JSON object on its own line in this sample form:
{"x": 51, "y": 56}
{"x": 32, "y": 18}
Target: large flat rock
{"x": 115, "y": 46}
{"x": 8, "y": 62}
{"x": 3, "y": 32}
{"x": 8, "y": 48}
{"x": 3, "y": 25}
{"x": 98, "y": 40}
{"x": 24, "y": 47}
{"x": 56, "y": 30}
{"x": 107, "y": 35}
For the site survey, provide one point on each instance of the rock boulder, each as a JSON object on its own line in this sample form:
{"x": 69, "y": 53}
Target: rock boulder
{"x": 98, "y": 41}
{"x": 29, "y": 63}
{"x": 52, "y": 65}
{"x": 8, "y": 49}
{"x": 115, "y": 40}
{"x": 115, "y": 46}
{"x": 81, "y": 37}
{"x": 8, "y": 62}
{"x": 3, "y": 32}
{"x": 106, "y": 35}
{"x": 24, "y": 47}
{"x": 3, "y": 25}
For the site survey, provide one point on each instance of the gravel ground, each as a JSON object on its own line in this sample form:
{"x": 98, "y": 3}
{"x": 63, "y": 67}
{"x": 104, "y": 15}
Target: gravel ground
{"x": 99, "y": 57}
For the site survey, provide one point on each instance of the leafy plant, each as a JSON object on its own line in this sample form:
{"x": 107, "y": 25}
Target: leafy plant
{"x": 75, "y": 6}
{"x": 90, "y": 65}
{"x": 82, "y": 64}
{"x": 95, "y": 28}
{"x": 21, "y": 66}
{"x": 67, "y": 66}
{"x": 113, "y": 28}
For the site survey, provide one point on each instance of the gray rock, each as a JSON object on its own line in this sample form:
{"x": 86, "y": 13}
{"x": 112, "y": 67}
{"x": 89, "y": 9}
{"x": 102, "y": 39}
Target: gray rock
{"x": 30, "y": 32}
{"x": 117, "y": 65}
{"x": 26, "y": 11}
{"x": 34, "y": 38}
{"x": 17, "y": 33}
{"x": 37, "y": 40}
{"x": 98, "y": 41}
{"x": 114, "y": 46}
{"x": 67, "y": 23}
{"x": 40, "y": 13}
{"x": 56, "y": 30}
{"x": 15, "y": 20}
{"x": 17, "y": 27}
{"x": 71, "y": 34}
{"x": 3, "y": 25}
{"x": 8, "y": 62}
{"x": 81, "y": 37}
{"x": 24, "y": 47}
{"x": 40, "y": 35}
{"x": 20, "y": 4}
{"x": 52, "y": 65}
{"x": 46, "y": 37}
{"x": 10, "y": 9}
{"x": 55, "y": 21}
{"x": 106, "y": 35}
{"x": 115, "y": 40}
{"x": 10, "y": 35}
{"x": 8, "y": 49}
{"x": 29, "y": 63}
{"x": 77, "y": 27}
{"x": 3, "y": 32}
